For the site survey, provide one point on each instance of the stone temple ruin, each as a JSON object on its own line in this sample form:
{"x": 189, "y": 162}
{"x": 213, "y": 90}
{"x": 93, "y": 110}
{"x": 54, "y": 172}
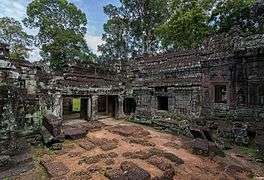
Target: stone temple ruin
{"x": 216, "y": 87}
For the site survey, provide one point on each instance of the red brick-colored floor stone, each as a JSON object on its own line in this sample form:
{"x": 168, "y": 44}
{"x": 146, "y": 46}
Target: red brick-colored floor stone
{"x": 56, "y": 169}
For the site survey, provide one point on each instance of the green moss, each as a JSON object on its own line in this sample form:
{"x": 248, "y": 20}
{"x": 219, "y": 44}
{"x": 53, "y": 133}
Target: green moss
{"x": 38, "y": 153}
{"x": 249, "y": 151}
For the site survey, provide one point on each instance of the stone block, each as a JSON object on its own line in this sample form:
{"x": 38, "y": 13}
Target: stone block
{"x": 56, "y": 169}
{"x": 133, "y": 172}
{"x": 205, "y": 148}
{"x": 74, "y": 133}
{"x": 53, "y": 124}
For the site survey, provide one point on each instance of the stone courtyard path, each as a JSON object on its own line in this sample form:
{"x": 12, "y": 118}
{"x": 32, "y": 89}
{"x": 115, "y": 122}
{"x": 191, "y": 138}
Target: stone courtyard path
{"x": 123, "y": 150}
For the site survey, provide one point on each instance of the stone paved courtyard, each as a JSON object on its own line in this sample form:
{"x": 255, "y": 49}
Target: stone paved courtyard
{"x": 123, "y": 150}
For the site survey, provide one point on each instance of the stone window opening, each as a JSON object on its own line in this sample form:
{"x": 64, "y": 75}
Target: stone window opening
{"x": 220, "y": 94}
{"x": 163, "y": 103}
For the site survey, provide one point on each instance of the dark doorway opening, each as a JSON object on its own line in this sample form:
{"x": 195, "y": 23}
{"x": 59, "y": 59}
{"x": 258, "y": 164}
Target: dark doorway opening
{"x": 84, "y": 109}
{"x": 163, "y": 103}
{"x": 107, "y": 105}
{"x": 129, "y": 106}
{"x": 75, "y": 108}
{"x": 102, "y": 104}
{"x": 112, "y": 105}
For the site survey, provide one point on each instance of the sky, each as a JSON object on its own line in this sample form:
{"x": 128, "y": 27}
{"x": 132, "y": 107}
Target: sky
{"x": 92, "y": 8}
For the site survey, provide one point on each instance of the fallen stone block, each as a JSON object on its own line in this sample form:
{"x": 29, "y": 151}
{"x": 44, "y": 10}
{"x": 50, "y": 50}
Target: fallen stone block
{"x": 205, "y": 148}
{"x": 115, "y": 174}
{"x": 80, "y": 175}
{"x": 134, "y": 172}
{"x": 108, "y": 145}
{"x": 74, "y": 133}
{"x": 109, "y": 161}
{"x": 104, "y": 144}
{"x": 87, "y": 145}
{"x": 55, "y": 169}
{"x": 96, "y": 158}
{"x": 94, "y": 168}
{"x": 133, "y": 131}
{"x": 160, "y": 163}
{"x": 53, "y": 124}
{"x": 166, "y": 175}
{"x": 137, "y": 155}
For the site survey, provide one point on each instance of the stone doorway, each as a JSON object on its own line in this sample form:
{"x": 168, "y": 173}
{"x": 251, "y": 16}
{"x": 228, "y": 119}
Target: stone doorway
{"x": 129, "y": 106}
{"x": 107, "y": 106}
{"x": 76, "y": 108}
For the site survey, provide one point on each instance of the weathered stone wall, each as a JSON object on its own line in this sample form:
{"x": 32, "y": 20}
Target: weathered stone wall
{"x": 235, "y": 63}
{"x": 19, "y": 103}
{"x": 222, "y": 78}
{"x": 174, "y": 76}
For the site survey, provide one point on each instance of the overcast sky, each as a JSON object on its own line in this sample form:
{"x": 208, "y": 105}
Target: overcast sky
{"x": 92, "y": 8}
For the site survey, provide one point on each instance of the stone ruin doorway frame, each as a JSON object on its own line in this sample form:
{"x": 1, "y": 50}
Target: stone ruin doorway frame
{"x": 85, "y": 112}
{"x": 129, "y": 105}
{"x": 107, "y": 106}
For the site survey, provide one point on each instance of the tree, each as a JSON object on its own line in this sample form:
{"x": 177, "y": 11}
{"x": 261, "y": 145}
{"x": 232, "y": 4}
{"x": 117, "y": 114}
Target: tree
{"x": 62, "y": 27}
{"x": 12, "y": 33}
{"x": 115, "y": 36}
{"x": 130, "y": 29}
{"x": 240, "y": 13}
{"x": 192, "y": 21}
{"x": 188, "y": 24}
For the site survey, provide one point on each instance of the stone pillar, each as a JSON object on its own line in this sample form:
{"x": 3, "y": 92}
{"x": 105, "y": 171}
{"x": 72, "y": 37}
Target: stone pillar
{"x": 89, "y": 108}
{"x": 120, "y": 112}
{"x": 107, "y": 104}
{"x": 196, "y": 107}
{"x": 94, "y": 107}
{"x": 57, "y": 109}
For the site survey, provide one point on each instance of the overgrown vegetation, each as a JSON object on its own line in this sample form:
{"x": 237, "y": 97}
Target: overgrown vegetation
{"x": 12, "y": 33}
{"x": 62, "y": 27}
{"x": 135, "y": 27}
{"x": 138, "y": 27}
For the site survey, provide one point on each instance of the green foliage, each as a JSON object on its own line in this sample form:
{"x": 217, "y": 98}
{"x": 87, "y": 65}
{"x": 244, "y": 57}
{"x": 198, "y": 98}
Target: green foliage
{"x": 230, "y": 13}
{"x": 192, "y": 21}
{"x": 188, "y": 25}
{"x": 248, "y": 151}
{"x": 11, "y": 32}
{"x": 62, "y": 27}
{"x": 130, "y": 30}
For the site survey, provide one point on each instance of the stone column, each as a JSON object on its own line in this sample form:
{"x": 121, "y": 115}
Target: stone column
{"x": 107, "y": 104}
{"x": 120, "y": 112}
{"x": 89, "y": 108}
{"x": 94, "y": 107}
{"x": 195, "y": 104}
{"x": 57, "y": 109}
